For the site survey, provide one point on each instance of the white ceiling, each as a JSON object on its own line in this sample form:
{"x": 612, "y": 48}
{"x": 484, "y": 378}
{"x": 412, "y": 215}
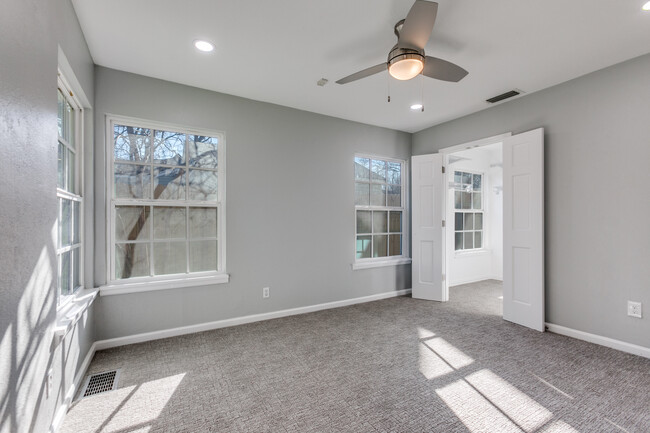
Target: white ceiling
{"x": 276, "y": 50}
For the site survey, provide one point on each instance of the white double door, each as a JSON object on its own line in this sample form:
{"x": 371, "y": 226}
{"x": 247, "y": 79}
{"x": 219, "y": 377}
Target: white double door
{"x": 523, "y": 228}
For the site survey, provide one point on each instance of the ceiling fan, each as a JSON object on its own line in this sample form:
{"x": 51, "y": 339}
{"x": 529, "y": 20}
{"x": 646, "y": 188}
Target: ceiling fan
{"x": 406, "y": 59}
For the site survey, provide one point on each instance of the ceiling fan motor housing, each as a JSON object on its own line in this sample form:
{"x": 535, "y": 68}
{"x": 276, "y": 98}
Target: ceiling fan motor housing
{"x": 408, "y": 56}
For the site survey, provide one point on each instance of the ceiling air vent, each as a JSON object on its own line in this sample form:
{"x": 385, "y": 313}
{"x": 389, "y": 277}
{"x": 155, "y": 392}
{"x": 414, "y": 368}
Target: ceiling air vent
{"x": 503, "y": 96}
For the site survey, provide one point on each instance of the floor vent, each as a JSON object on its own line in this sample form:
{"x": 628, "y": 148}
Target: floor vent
{"x": 100, "y": 382}
{"x": 503, "y": 96}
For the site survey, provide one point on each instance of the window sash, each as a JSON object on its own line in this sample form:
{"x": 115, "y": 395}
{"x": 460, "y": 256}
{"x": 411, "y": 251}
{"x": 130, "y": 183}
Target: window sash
{"x": 386, "y": 208}
{"x": 70, "y": 191}
{"x": 218, "y": 204}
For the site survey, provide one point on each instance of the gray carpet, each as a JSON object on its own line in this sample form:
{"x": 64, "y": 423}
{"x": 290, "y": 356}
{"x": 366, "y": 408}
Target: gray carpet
{"x": 397, "y": 365}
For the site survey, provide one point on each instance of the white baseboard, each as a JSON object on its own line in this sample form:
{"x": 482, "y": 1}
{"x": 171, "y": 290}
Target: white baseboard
{"x": 69, "y": 397}
{"x": 598, "y": 339}
{"x": 183, "y": 330}
{"x": 473, "y": 280}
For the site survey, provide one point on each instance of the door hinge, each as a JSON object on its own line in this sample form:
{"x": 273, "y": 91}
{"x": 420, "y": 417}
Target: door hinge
{"x": 443, "y": 223}
{"x": 443, "y": 169}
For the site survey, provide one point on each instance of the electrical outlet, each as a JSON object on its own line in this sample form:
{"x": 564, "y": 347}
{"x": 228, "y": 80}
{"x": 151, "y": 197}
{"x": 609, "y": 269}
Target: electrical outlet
{"x": 266, "y": 292}
{"x": 49, "y": 383}
{"x": 634, "y": 309}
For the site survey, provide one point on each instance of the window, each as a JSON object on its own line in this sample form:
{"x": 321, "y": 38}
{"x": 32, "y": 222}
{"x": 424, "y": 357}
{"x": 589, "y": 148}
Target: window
{"x": 70, "y": 202}
{"x": 468, "y": 205}
{"x": 379, "y": 208}
{"x": 167, "y": 201}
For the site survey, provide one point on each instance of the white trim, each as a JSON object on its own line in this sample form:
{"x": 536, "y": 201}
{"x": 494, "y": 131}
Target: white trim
{"x": 67, "y": 317}
{"x": 476, "y": 143}
{"x": 69, "y": 396}
{"x": 148, "y": 286}
{"x": 191, "y": 329}
{"x": 600, "y": 340}
{"x": 379, "y": 264}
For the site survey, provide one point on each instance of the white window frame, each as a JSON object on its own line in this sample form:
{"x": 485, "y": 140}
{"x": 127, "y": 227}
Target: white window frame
{"x": 404, "y": 258}
{"x": 161, "y": 282}
{"x": 464, "y": 250}
{"x": 64, "y": 300}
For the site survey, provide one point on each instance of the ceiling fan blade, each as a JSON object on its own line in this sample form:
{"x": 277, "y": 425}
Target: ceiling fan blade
{"x": 363, "y": 74}
{"x": 418, "y": 24}
{"x": 443, "y": 70}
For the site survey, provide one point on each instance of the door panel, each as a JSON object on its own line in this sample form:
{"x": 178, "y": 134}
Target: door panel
{"x": 427, "y": 231}
{"x": 523, "y": 229}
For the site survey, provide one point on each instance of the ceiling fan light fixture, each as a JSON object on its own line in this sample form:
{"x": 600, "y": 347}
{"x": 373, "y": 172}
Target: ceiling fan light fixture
{"x": 406, "y": 66}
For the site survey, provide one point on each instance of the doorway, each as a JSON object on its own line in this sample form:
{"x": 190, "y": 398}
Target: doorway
{"x": 474, "y": 210}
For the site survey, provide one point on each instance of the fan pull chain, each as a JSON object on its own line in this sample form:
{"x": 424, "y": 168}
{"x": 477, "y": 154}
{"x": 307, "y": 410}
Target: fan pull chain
{"x": 422, "y": 91}
{"x": 388, "y": 86}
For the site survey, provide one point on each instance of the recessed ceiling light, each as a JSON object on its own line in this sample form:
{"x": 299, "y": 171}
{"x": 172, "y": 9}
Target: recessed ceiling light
{"x": 204, "y": 46}
{"x": 416, "y": 107}
{"x": 646, "y": 7}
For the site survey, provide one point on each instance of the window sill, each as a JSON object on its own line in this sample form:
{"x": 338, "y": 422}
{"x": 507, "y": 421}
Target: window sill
{"x": 149, "y": 286}
{"x": 381, "y": 263}
{"x": 70, "y": 314}
{"x": 469, "y": 253}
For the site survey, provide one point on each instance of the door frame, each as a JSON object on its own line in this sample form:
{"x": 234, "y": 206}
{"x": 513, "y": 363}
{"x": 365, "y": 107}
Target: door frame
{"x": 446, "y": 152}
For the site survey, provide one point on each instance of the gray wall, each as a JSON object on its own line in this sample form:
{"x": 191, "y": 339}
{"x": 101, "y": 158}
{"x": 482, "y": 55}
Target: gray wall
{"x": 290, "y": 205}
{"x": 597, "y": 151}
{"x": 29, "y": 33}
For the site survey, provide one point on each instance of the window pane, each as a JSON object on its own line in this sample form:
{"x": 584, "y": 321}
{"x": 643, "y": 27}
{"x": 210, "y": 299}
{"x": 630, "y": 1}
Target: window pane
{"x": 169, "y": 223}
{"x": 466, "y": 198}
{"x": 203, "y": 185}
{"x": 362, "y": 168}
{"x": 131, "y": 260}
{"x": 132, "y": 181}
{"x": 468, "y": 244}
{"x": 203, "y": 151}
{"x": 467, "y": 178}
{"x": 68, "y": 132}
{"x": 380, "y": 222}
{"x": 76, "y": 269}
{"x": 478, "y": 221}
{"x": 361, "y": 194}
{"x": 203, "y": 256}
{"x": 131, "y": 143}
{"x": 61, "y": 168}
{"x": 364, "y": 221}
{"x": 380, "y": 246}
{"x": 70, "y": 166}
{"x": 395, "y": 245}
{"x": 457, "y": 177}
{"x": 468, "y": 221}
{"x": 76, "y": 222}
{"x": 459, "y": 241}
{"x": 377, "y": 195}
{"x": 203, "y": 223}
{"x": 378, "y": 171}
{"x": 169, "y": 258}
{"x": 65, "y": 277}
{"x": 169, "y": 183}
{"x": 169, "y": 148}
{"x": 65, "y": 227}
{"x": 132, "y": 223}
{"x": 60, "y": 115}
{"x": 395, "y": 222}
{"x": 394, "y": 196}
{"x": 363, "y": 246}
{"x": 458, "y": 200}
{"x": 395, "y": 173}
{"x": 476, "y": 182}
{"x": 476, "y": 201}
{"x": 478, "y": 239}
{"x": 459, "y": 221}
